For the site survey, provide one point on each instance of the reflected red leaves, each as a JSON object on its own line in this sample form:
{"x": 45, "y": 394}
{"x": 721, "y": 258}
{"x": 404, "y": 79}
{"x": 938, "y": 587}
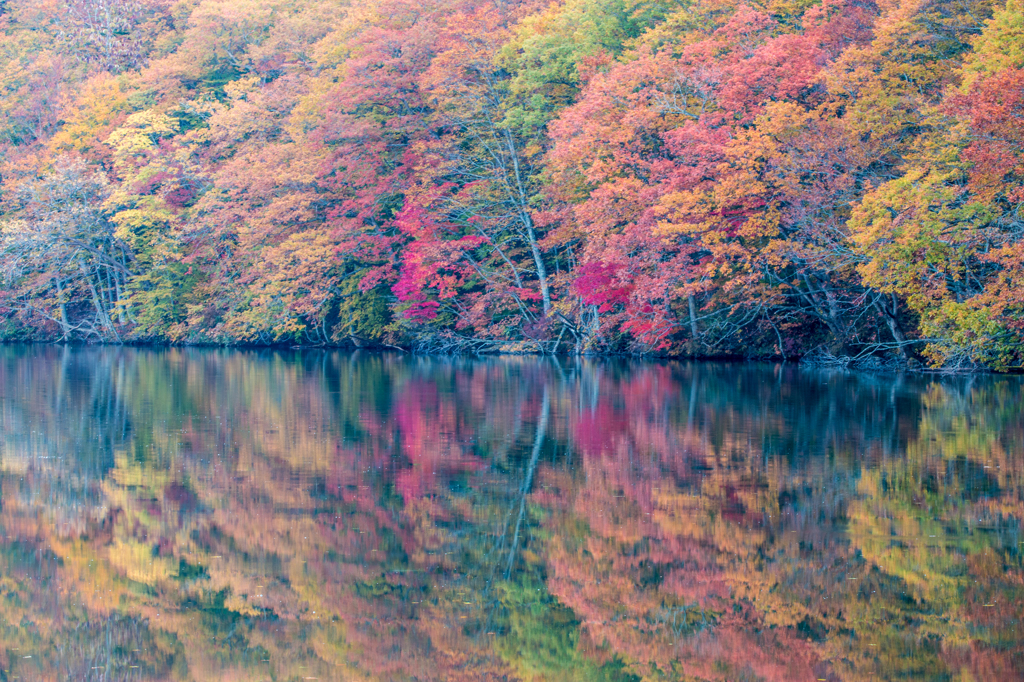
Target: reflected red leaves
{"x": 708, "y": 521}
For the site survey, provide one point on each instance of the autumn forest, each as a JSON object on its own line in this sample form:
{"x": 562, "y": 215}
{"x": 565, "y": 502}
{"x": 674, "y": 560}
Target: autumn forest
{"x": 765, "y": 179}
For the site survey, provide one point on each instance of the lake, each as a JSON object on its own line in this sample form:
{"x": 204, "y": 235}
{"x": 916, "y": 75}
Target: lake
{"x": 198, "y": 514}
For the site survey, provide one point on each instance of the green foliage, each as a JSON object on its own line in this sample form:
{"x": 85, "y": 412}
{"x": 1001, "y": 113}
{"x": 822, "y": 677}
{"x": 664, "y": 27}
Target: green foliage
{"x": 548, "y": 53}
{"x": 540, "y": 638}
{"x": 362, "y": 314}
{"x": 1000, "y": 45}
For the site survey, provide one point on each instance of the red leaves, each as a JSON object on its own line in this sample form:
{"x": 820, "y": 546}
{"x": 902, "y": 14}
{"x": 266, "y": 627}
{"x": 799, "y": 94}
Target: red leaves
{"x": 994, "y": 110}
{"x": 599, "y": 284}
{"x": 657, "y": 177}
{"x": 431, "y": 267}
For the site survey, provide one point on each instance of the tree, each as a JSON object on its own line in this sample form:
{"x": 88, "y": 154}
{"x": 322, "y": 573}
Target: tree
{"x": 946, "y": 234}
{"x": 63, "y": 261}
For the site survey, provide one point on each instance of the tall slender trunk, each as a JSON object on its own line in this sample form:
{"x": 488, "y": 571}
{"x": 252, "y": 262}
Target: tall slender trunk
{"x": 97, "y": 303}
{"x": 120, "y": 296}
{"x": 538, "y": 260}
{"x": 826, "y": 312}
{"x": 894, "y": 325}
{"x": 527, "y": 221}
{"x": 65, "y": 328}
{"x": 693, "y": 316}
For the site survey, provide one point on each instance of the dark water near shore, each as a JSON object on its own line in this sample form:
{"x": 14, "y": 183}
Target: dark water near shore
{"x": 231, "y": 515}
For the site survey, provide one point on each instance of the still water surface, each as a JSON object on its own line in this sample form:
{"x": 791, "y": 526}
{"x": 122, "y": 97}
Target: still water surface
{"x": 227, "y": 515}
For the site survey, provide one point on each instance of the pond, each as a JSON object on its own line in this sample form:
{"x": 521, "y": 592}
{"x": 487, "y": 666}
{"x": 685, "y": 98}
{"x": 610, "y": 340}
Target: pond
{"x": 263, "y": 515}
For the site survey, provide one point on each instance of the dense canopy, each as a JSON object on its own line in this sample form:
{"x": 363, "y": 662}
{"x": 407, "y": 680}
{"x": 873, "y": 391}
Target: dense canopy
{"x": 698, "y": 177}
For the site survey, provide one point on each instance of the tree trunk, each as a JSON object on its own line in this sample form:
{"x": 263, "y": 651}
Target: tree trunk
{"x": 693, "y": 316}
{"x": 104, "y": 318}
{"x": 894, "y": 326}
{"x": 527, "y": 221}
{"x": 65, "y": 328}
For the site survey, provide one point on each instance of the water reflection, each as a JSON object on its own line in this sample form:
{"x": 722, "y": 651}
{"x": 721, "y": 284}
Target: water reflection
{"x": 215, "y": 515}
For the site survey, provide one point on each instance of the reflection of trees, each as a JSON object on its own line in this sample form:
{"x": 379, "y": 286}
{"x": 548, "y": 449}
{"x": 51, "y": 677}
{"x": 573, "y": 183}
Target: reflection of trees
{"x": 755, "y": 513}
{"x": 428, "y": 519}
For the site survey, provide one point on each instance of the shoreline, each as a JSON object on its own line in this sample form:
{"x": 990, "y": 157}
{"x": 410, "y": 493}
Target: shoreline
{"x": 847, "y": 366}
